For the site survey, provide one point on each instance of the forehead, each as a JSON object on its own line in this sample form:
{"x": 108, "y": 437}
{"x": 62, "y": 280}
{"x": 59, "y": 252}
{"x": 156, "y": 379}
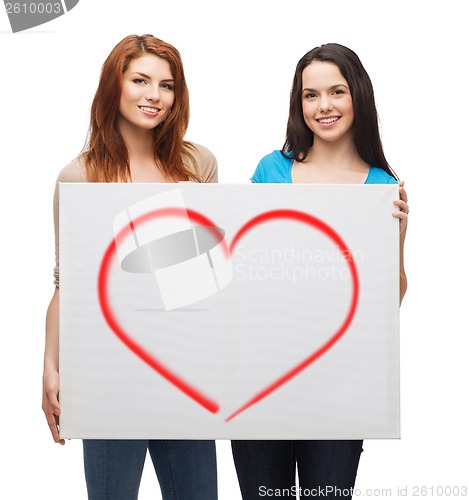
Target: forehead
{"x": 320, "y": 74}
{"x": 150, "y": 65}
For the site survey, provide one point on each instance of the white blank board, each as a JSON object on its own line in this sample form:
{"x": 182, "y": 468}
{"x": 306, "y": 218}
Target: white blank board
{"x": 286, "y": 329}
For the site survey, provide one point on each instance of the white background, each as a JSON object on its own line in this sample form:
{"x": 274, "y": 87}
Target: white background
{"x": 239, "y": 60}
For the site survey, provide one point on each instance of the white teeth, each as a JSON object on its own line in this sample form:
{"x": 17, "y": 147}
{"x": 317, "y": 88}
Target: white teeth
{"x": 148, "y": 110}
{"x": 328, "y": 120}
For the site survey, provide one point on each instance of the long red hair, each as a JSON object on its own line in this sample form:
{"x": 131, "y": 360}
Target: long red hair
{"x": 106, "y": 156}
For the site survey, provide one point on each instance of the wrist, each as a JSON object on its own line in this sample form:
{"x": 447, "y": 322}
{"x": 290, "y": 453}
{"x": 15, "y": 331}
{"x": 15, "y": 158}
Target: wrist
{"x": 50, "y": 366}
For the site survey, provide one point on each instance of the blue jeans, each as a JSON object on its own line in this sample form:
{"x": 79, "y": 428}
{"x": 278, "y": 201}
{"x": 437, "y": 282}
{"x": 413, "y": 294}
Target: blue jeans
{"x": 324, "y": 467}
{"x": 186, "y": 470}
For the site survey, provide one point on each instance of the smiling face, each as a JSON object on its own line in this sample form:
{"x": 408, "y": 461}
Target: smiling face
{"x": 147, "y": 94}
{"x": 327, "y": 102}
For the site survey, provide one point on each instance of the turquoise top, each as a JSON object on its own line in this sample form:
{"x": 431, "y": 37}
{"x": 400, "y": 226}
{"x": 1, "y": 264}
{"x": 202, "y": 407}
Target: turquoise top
{"x": 276, "y": 168}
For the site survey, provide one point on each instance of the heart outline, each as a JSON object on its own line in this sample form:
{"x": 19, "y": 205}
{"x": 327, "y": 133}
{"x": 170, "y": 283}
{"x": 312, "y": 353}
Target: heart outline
{"x": 196, "y": 217}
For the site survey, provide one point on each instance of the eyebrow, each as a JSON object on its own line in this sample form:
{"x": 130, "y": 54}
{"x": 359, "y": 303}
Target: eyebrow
{"x": 333, "y": 87}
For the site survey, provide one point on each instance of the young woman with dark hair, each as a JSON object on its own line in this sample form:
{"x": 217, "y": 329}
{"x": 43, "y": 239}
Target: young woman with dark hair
{"x": 366, "y": 137}
{"x": 139, "y": 116}
{"x": 332, "y": 137}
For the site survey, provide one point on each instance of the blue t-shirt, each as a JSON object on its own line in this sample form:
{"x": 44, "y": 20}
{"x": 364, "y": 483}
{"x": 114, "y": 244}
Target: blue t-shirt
{"x": 276, "y": 168}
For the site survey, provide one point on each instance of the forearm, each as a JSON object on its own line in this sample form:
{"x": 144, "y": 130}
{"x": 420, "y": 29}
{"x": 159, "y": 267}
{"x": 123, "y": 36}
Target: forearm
{"x": 51, "y": 351}
{"x": 402, "y": 274}
{"x": 50, "y": 379}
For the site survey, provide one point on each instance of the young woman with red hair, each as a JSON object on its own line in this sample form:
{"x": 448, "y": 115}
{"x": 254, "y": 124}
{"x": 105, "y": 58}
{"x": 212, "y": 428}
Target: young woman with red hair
{"x": 139, "y": 116}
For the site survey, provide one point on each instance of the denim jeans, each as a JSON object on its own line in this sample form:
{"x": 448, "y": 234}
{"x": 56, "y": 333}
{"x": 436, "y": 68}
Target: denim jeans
{"x": 324, "y": 468}
{"x": 186, "y": 470}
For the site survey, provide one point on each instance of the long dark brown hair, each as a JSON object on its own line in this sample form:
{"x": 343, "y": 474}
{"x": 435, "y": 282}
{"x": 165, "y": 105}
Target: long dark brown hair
{"x": 300, "y": 138}
{"x": 106, "y": 155}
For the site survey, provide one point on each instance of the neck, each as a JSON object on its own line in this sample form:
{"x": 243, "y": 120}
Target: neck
{"x": 334, "y": 155}
{"x": 139, "y": 142}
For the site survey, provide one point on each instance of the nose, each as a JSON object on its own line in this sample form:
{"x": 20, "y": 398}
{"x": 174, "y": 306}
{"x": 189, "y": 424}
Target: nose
{"x": 325, "y": 104}
{"x": 153, "y": 93}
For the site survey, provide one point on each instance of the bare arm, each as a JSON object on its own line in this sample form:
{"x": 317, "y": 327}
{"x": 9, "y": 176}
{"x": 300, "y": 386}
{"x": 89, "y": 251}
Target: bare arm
{"x": 50, "y": 380}
{"x": 403, "y": 277}
{"x": 402, "y": 215}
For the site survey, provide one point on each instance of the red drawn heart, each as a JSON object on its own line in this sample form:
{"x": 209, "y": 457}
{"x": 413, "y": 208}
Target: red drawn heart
{"x": 198, "y": 218}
